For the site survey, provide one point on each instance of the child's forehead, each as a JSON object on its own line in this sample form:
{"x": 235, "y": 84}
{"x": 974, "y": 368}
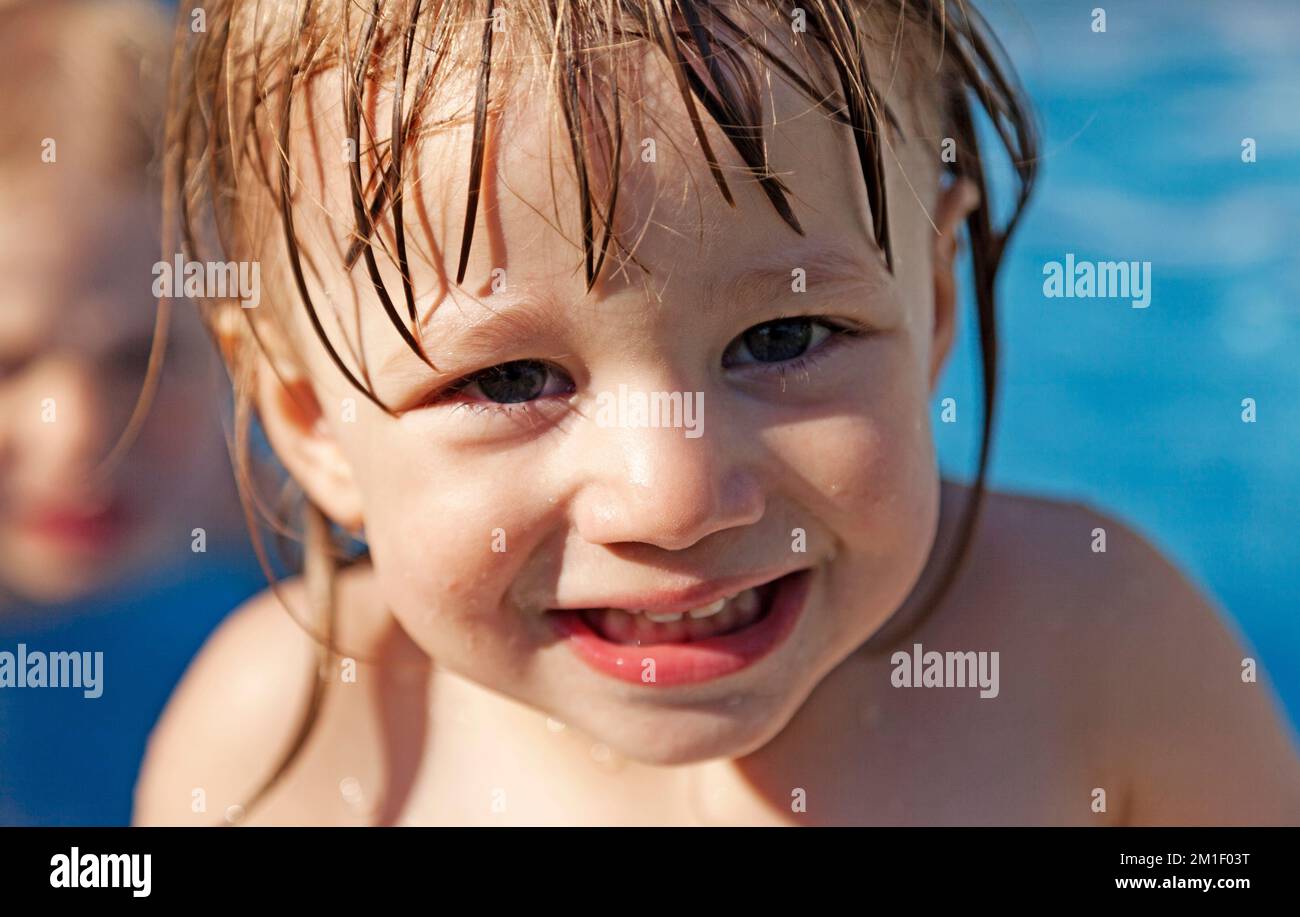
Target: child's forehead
{"x": 668, "y": 208}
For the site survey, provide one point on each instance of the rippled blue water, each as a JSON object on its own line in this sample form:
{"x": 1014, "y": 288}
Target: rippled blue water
{"x": 1139, "y": 411}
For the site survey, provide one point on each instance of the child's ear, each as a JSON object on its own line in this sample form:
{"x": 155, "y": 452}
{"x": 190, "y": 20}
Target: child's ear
{"x": 294, "y": 422}
{"x": 955, "y": 204}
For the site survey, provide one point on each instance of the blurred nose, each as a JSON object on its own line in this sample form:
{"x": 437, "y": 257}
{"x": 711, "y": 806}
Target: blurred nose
{"x": 63, "y": 423}
{"x": 658, "y": 486}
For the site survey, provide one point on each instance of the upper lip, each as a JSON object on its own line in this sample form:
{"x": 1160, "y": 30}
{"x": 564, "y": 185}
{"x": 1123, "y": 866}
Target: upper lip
{"x": 676, "y": 600}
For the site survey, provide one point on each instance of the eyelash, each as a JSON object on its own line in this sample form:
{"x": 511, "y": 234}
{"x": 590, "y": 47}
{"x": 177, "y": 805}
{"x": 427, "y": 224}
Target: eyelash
{"x": 499, "y": 408}
{"x": 839, "y": 329}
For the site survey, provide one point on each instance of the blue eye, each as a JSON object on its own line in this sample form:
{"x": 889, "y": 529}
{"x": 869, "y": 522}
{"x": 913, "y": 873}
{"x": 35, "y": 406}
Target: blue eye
{"x": 780, "y": 340}
{"x": 521, "y": 386}
{"x": 515, "y": 382}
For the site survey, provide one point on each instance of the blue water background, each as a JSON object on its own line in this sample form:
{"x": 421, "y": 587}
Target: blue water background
{"x": 1138, "y": 412}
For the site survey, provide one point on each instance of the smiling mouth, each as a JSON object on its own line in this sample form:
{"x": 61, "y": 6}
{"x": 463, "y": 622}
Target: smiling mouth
{"x": 642, "y": 627}
{"x": 675, "y": 645}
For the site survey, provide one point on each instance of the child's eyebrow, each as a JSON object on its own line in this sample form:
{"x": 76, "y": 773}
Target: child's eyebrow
{"x": 525, "y": 320}
{"x": 774, "y": 277}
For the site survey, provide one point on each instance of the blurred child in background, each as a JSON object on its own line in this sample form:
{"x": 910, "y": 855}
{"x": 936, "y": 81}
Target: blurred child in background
{"x": 133, "y": 562}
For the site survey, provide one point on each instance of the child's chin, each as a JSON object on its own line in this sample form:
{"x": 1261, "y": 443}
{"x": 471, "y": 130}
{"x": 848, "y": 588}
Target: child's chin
{"x": 674, "y": 737}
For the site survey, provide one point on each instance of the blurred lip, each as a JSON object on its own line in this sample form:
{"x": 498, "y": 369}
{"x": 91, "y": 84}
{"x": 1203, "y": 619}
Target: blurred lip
{"x": 675, "y": 600}
{"x": 85, "y": 527}
{"x": 697, "y": 661}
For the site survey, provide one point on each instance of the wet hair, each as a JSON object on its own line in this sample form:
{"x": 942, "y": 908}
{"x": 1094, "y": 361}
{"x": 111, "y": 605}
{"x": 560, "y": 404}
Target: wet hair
{"x": 234, "y": 176}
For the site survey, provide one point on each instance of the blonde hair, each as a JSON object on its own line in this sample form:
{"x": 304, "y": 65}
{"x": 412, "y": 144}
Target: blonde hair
{"x": 235, "y": 83}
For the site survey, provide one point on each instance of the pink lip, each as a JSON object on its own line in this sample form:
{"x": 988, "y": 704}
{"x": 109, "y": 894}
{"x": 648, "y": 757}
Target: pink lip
{"x": 77, "y": 527}
{"x": 697, "y": 661}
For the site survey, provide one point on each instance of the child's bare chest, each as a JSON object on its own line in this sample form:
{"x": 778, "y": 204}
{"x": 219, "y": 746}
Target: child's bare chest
{"x": 897, "y": 760}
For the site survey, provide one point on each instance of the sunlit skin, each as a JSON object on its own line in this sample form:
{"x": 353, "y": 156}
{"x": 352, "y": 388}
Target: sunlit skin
{"x": 75, "y": 335}
{"x": 468, "y": 709}
{"x": 833, "y": 442}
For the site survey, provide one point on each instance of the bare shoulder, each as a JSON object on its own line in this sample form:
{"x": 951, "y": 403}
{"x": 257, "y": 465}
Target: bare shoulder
{"x": 241, "y": 707}
{"x": 1170, "y": 700}
{"x": 228, "y": 720}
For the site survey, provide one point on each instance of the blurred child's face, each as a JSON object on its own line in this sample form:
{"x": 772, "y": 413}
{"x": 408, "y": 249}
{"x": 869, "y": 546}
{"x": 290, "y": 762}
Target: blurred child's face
{"x": 75, "y": 332}
{"x": 532, "y": 537}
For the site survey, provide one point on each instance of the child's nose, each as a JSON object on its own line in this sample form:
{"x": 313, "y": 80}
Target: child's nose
{"x": 660, "y": 487}
{"x": 65, "y": 427}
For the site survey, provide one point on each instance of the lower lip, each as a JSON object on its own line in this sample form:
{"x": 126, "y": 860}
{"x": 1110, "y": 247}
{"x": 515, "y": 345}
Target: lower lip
{"x": 696, "y": 661}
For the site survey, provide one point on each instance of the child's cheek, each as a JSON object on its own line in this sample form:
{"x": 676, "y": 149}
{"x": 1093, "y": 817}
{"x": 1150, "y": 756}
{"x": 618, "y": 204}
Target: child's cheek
{"x": 446, "y": 539}
{"x": 869, "y": 450}
{"x": 862, "y": 477}
{"x": 863, "y": 472}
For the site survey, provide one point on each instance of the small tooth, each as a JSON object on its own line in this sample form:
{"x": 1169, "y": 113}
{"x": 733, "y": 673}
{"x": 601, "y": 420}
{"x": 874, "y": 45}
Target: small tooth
{"x": 747, "y": 600}
{"x": 706, "y": 611}
{"x": 664, "y": 619}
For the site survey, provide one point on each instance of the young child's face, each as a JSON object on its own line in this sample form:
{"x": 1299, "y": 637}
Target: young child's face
{"x": 76, "y": 327}
{"x": 496, "y": 507}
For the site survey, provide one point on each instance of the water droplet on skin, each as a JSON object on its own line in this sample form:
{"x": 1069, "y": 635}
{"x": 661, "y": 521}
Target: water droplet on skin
{"x": 350, "y": 790}
{"x": 554, "y": 725}
{"x": 707, "y": 799}
{"x": 638, "y": 469}
{"x": 234, "y": 814}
